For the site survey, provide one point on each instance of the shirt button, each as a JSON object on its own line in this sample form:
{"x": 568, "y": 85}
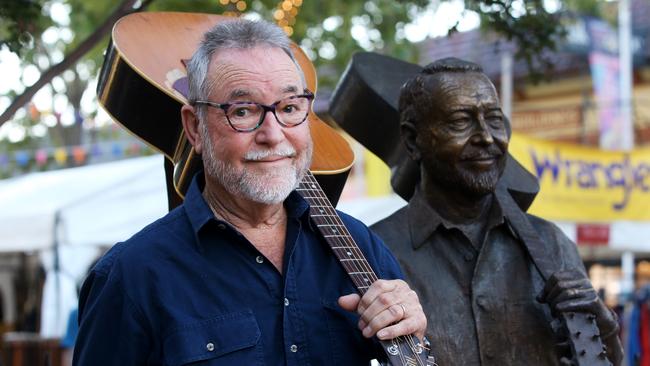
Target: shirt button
{"x": 209, "y": 347}
{"x": 259, "y": 259}
{"x": 286, "y": 302}
{"x": 294, "y": 348}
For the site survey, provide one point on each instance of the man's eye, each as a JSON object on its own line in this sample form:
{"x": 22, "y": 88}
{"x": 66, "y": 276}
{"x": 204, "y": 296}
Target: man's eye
{"x": 290, "y": 108}
{"x": 240, "y": 112}
{"x": 460, "y": 123}
{"x": 495, "y": 121}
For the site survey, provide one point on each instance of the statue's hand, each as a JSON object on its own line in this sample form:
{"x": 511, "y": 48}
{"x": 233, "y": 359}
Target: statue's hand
{"x": 569, "y": 291}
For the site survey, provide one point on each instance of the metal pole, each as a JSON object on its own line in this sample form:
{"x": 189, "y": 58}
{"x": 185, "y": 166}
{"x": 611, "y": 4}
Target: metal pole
{"x": 625, "y": 79}
{"x": 627, "y": 126}
{"x": 506, "y": 83}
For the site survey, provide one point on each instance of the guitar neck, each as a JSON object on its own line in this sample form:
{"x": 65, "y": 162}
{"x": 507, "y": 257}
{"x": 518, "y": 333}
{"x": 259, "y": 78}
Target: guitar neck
{"x": 336, "y": 234}
{"x": 401, "y": 351}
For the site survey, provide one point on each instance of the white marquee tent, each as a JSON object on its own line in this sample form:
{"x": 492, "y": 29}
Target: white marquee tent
{"x": 94, "y": 205}
{"x": 77, "y": 210}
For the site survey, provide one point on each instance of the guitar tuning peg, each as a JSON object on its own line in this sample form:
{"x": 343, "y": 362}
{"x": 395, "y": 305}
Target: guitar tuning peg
{"x": 577, "y": 334}
{"x": 591, "y": 317}
{"x": 603, "y": 355}
{"x": 595, "y": 337}
{"x": 583, "y": 352}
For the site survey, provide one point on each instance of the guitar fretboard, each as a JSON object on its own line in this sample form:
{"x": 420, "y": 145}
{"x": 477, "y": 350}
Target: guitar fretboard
{"x": 336, "y": 234}
{"x": 401, "y": 351}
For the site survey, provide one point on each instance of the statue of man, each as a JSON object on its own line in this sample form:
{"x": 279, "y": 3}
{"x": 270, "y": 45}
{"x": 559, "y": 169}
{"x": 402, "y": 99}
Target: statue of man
{"x": 485, "y": 299}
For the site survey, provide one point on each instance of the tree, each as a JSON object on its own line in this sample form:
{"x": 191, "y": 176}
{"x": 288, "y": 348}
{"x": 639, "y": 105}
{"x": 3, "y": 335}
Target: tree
{"x": 322, "y": 28}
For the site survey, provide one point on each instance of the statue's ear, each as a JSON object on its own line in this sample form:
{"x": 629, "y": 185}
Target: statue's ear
{"x": 409, "y": 139}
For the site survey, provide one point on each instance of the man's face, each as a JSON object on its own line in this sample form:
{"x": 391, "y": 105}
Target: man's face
{"x": 463, "y": 145}
{"x": 264, "y": 165}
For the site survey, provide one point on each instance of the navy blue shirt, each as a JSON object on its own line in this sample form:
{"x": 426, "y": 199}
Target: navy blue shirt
{"x": 190, "y": 289}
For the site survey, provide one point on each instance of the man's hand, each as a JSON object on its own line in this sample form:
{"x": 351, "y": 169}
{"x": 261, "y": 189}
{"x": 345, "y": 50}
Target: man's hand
{"x": 571, "y": 291}
{"x": 389, "y": 309}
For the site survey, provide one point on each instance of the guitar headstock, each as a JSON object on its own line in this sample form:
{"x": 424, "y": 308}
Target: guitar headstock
{"x": 583, "y": 337}
{"x": 407, "y": 351}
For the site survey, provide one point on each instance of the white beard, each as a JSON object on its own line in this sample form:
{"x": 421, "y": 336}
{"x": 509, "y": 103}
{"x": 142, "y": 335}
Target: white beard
{"x": 270, "y": 187}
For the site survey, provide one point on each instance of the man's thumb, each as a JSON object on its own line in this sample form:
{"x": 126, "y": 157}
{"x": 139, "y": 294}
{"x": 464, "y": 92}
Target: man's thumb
{"x": 349, "y": 302}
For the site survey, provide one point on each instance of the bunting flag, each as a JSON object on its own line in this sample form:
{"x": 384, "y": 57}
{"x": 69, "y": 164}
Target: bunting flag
{"x": 22, "y": 158}
{"x": 79, "y": 154}
{"x": 117, "y": 149}
{"x": 95, "y": 151}
{"x": 133, "y": 149}
{"x": 4, "y": 161}
{"x": 61, "y": 155}
{"x": 41, "y": 157}
{"x": 22, "y": 161}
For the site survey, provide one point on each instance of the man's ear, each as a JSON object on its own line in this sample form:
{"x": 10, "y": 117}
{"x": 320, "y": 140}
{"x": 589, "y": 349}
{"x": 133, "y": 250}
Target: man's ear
{"x": 191, "y": 127}
{"x": 409, "y": 139}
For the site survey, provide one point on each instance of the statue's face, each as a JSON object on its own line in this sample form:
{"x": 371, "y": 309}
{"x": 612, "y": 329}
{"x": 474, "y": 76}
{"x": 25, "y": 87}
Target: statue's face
{"x": 463, "y": 143}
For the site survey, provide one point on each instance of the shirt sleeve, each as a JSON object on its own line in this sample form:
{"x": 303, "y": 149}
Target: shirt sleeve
{"x": 111, "y": 329}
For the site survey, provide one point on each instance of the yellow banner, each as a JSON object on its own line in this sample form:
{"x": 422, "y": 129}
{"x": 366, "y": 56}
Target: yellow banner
{"x": 586, "y": 184}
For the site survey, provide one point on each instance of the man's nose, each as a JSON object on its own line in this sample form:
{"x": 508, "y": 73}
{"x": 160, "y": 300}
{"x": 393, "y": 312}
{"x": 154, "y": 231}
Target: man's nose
{"x": 270, "y": 132}
{"x": 482, "y": 133}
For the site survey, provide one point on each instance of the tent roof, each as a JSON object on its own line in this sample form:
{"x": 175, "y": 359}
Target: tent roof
{"x": 95, "y": 204}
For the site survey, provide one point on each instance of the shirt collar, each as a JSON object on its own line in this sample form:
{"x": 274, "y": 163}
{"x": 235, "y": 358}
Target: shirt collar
{"x": 199, "y": 212}
{"x": 197, "y": 209}
{"x": 424, "y": 220}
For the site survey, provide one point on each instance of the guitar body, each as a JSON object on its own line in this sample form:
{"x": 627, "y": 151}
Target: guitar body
{"x": 139, "y": 87}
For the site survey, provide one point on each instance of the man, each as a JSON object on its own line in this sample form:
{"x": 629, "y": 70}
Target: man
{"x": 457, "y": 241}
{"x": 238, "y": 275}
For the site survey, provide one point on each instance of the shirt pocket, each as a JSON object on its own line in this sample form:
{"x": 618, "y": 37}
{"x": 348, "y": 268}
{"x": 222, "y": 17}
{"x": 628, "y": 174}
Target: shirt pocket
{"x": 229, "y": 339}
{"x": 348, "y": 345}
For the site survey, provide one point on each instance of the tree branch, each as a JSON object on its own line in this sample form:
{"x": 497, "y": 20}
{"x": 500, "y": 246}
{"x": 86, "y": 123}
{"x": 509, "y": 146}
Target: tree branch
{"x": 126, "y": 7}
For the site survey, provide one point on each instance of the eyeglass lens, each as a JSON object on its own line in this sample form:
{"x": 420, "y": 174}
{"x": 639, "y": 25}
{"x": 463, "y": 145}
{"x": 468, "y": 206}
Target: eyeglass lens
{"x": 289, "y": 112}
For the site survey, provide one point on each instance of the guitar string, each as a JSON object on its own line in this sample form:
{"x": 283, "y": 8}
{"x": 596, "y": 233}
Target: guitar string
{"x": 324, "y": 203}
{"x": 308, "y": 182}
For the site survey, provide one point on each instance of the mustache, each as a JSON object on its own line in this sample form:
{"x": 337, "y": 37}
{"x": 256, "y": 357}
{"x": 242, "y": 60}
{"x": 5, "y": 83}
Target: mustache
{"x": 490, "y": 152}
{"x": 255, "y": 155}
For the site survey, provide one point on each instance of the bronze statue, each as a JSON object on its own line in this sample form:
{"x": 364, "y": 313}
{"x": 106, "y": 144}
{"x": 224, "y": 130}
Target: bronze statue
{"x": 490, "y": 295}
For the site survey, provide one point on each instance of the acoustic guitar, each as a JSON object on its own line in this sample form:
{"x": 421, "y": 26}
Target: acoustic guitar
{"x": 141, "y": 86}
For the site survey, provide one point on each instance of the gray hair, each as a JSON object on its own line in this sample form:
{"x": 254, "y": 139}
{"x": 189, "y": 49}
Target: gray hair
{"x": 232, "y": 34}
{"x": 415, "y": 96}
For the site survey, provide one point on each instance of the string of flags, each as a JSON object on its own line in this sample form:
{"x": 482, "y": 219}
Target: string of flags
{"x": 22, "y": 161}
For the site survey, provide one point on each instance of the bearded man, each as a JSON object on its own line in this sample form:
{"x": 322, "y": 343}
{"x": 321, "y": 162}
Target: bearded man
{"x": 238, "y": 274}
{"x": 458, "y": 238}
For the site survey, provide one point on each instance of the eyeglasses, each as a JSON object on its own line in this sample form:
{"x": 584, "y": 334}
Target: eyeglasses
{"x": 249, "y": 116}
